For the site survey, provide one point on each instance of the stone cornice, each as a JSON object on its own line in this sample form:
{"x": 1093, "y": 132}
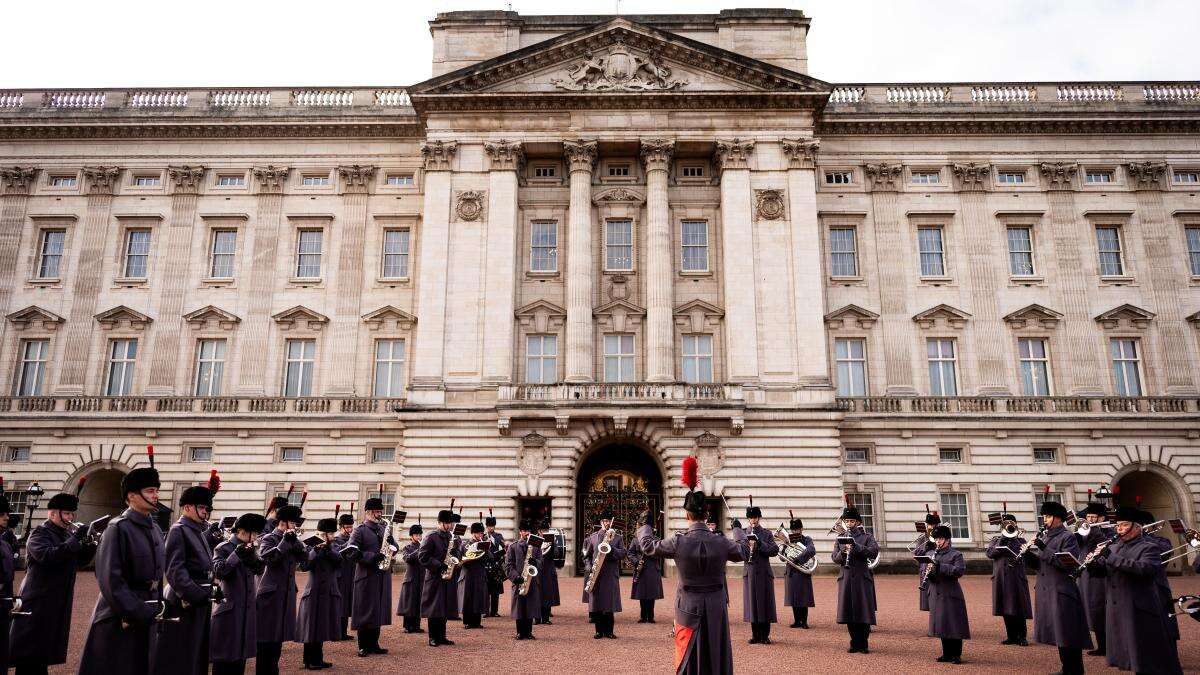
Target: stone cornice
{"x": 1146, "y": 175}
{"x": 271, "y": 179}
{"x": 16, "y": 180}
{"x": 101, "y": 179}
{"x": 801, "y": 152}
{"x": 215, "y": 128}
{"x": 734, "y": 154}
{"x": 836, "y": 125}
{"x": 438, "y": 155}
{"x": 656, "y": 153}
{"x": 356, "y": 178}
{"x": 1059, "y": 175}
{"x": 186, "y": 180}
{"x": 580, "y": 154}
{"x": 505, "y": 155}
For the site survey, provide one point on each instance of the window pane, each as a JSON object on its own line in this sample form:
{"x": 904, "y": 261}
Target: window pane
{"x": 34, "y": 355}
{"x": 619, "y": 245}
{"x": 543, "y": 251}
{"x": 122, "y": 356}
{"x": 389, "y": 368}
{"x": 1108, "y": 240}
{"x": 51, "y": 254}
{"x": 851, "y": 367}
{"x": 843, "y": 252}
{"x": 866, "y": 508}
{"x": 137, "y": 250}
{"x": 395, "y": 253}
{"x": 1020, "y": 251}
{"x": 695, "y": 245}
{"x": 954, "y": 514}
{"x": 929, "y": 241}
{"x": 308, "y": 254}
{"x": 1193, "y": 244}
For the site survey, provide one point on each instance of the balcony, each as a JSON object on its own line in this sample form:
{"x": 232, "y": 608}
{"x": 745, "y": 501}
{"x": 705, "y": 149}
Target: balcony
{"x": 623, "y": 393}
{"x": 1032, "y": 406}
{"x": 184, "y": 406}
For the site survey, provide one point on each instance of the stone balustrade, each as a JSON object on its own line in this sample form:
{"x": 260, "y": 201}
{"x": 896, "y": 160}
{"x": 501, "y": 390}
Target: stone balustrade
{"x": 1017, "y": 405}
{"x": 193, "y": 405}
{"x": 625, "y": 392}
{"x": 1014, "y": 93}
{"x": 199, "y": 100}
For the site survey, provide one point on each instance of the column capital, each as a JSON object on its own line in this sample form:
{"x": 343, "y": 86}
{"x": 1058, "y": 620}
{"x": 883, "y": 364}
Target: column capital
{"x": 734, "y": 154}
{"x": 580, "y": 154}
{"x": 801, "y": 152}
{"x": 972, "y": 177}
{"x": 883, "y": 177}
{"x": 17, "y": 180}
{"x": 438, "y": 155}
{"x": 656, "y": 153}
{"x": 101, "y": 179}
{"x": 1058, "y": 175}
{"x": 356, "y": 178}
{"x": 505, "y": 155}
{"x": 271, "y": 178}
{"x": 186, "y": 180}
{"x": 1146, "y": 175}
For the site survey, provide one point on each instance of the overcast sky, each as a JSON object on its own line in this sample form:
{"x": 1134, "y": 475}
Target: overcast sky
{"x": 119, "y": 43}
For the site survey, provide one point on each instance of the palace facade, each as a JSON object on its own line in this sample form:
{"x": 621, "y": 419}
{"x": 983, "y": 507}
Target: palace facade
{"x": 590, "y": 246}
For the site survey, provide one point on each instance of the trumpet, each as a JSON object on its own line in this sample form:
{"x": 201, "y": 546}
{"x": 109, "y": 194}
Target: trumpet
{"x": 1191, "y": 540}
{"x": 1085, "y": 528}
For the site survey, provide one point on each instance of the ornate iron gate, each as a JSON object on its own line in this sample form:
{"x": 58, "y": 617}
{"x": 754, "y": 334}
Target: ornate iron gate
{"x": 626, "y": 498}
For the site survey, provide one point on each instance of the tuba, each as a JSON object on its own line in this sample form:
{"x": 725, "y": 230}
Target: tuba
{"x": 789, "y": 553}
{"x": 529, "y": 571}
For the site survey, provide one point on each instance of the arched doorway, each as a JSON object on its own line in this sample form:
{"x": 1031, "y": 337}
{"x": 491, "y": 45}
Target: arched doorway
{"x": 1160, "y": 496}
{"x": 622, "y": 477}
{"x": 101, "y": 495}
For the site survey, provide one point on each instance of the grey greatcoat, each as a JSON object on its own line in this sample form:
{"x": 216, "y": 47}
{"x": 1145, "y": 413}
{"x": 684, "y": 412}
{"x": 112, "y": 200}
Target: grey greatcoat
{"x": 856, "y": 582}
{"x": 1091, "y": 582}
{"x": 439, "y": 597}
{"x": 234, "y": 634}
{"x": 701, "y": 614}
{"x": 275, "y": 603}
{"x": 548, "y": 580}
{"x": 8, "y": 566}
{"x": 129, "y": 564}
{"x": 798, "y": 586}
{"x": 925, "y": 548}
{"x": 947, "y": 605}
{"x": 52, "y": 555}
{"x": 345, "y": 574}
{"x": 321, "y": 601}
{"x": 1060, "y": 618}
{"x": 606, "y": 593}
{"x": 1165, "y": 596}
{"x": 182, "y": 648}
{"x": 523, "y": 607}
{"x": 648, "y": 583}
{"x": 410, "y": 589}
{"x": 1010, "y": 586}
{"x": 1138, "y": 635}
{"x": 758, "y": 581}
{"x": 372, "y": 586}
{"x": 472, "y": 584}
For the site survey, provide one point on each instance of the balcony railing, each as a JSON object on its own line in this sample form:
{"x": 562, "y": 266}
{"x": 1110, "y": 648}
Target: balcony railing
{"x": 1039, "y": 405}
{"x": 199, "y": 100}
{"x": 624, "y": 392}
{"x": 1025, "y": 94}
{"x": 169, "y": 405}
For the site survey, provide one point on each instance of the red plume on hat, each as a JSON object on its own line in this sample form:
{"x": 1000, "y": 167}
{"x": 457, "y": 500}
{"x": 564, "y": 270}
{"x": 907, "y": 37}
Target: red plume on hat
{"x": 150, "y": 454}
{"x": 337, "y": 508}
{"x": 691, "y": 470}
{"x": 927, "y": 509}
{"x": 214, "y": 482}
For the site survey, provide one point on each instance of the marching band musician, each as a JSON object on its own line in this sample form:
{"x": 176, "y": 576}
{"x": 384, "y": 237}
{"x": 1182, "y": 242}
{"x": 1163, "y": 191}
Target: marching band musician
{"x": 547, "y": 575}
{"x": 525, "y": 609}
{"x": 275, "y": 600}
{"x": 129, "y": 564}
{"x": 647, "y": 582}
{"x": 53, "y": 554}
{"x": 932, "y": 520}
{"x": 346, "y": 567}
{"x": 495, "y": 582}
{"x": 856, "y": 583}
{"x": 1161, "y": 582}
{"x": 798, "y": 586}
{"x": 1010, "y": 586}
{"x": 372, "y": 586}
{"x": 409, "y": 605}
{"x": 947, "y": 605}
{"x": 758, "y": 581}
{"x": 8, "y": 565}
{"x": 236, "y": 565}
{"x": 1091, "y": 583}
{"x": 605, "y": 599}
{"x": 273, "y": 511}
{"x": 1060, "y": 618}
{"x": 439, "y": 599}
{"x": 319, "y": 620}
{"x": 472, "y": 583}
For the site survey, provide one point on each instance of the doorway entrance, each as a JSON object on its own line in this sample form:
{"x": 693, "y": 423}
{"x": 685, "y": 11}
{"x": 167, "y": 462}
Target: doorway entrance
{"x": 101, "y": 495}
{"x": 1160, "y": 498}
{"x": 621, "y": 478}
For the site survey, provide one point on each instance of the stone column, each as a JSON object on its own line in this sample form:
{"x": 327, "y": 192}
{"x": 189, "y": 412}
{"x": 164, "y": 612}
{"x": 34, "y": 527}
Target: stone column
{"x": 176, "y": 251}
{"x": 260, "y": 287}
{"x": 893, "y": 251}
{"x": 500, "y": 292}
{"x": 581, "y": 155}
{"x": 426, "y": 386}
{"x": 15, "y": 182}
{"x": 808, "y": 283}
{"x": 1165, "y": 275}
{"x": 981, "y": 235}
{"x": 737, "y": 265}
{"x": 101, "y": 184}
{"x": 660, "y": 334}
{"x": 356, "y": 186}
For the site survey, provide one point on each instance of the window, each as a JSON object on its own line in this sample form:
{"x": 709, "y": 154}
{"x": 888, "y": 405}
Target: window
{"x": 314, "y": 181}
{"x": 926, "y": 177}
{"x": 308, "y": 253}
{"x": 50, "y": 253}
{"x": 297, "y": 494}
{"x": 950, "y": 455}
{"x": 291, "y": 453}
{"x": 545, "y": 171}
{"x": 1045, "y": 455}
{"x": 1108, "y": 241}
{"x": 839, "y": 177}
{"x": 618, "y": 245}
{"x": 1010, "y": 177}
{"x": 399, "y": 179}
{"x": 692, "y": 170}
{"x": 137, "y": 253}
{"x": 954, "y": 514}
{"x": 843, "y": 252}
{"x": 618, "y": 358}
{"x": 942, "y": 380}
{"x": 1178, "y": 177}
{"x": 1041, "y": 497}
{"x": 933, "y": 257}
{"x": 383, "y": 454}
{"x": 17, "y": 453}
{"x": 63, "y": 181}
{"x": 146, "y": 181}
{"x": 387, "y": 496}
{"x": 618, "y": 170}
{"x": 32, "y": 375}
{"x": 200, "y": 453}
{"x": 220, "y": 258}
{"x": 298, "y": 369}
{"x": 695, "y": 245}
{"x": 697, "y": 359}
{"x": 1035, "y": 367}
{"x": 389, "y": 368}
{"x": 1126, "y": 366}
{"x": 543, "y": 247}
{"x": 850, "y": 356}
{"x": 210, "y": 367}
{"x": 122, "y": 354}
{"x": 1093, "y": 177}
{"x": 1193, "y": 245}
{"x": 395, "y": 253}
{"x": 858, "y": 455}
{"x": 16, "y": 497}
{"x": 1020, "y": 251}
{"x": 865, "y": 503}
{"x": 230, "y": 180}
{"x": 541, "y": 359}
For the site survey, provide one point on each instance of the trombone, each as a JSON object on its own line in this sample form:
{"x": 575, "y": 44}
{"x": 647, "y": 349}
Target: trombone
{"x": 1191, "y": 540}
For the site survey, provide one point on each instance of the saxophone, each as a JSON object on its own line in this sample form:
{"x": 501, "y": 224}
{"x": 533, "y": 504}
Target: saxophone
{"x": 389, "y": 551}
{"x": 602, "y": 552}
{"x": 528, "y": 569}
{"x": 450, "y": 560}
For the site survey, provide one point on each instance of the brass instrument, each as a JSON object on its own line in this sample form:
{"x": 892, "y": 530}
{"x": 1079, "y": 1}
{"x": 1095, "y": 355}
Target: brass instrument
{"x": 16, "y": 607}
{"x": 789, "y": 551}
{"x": 1027, "y": 547}
{"x": 451, "y": 561}
{"x": 637, "y": 569}
{"x": 95, "y": 529}
{"x": 1191, "y": 540}
{"x": 388, "y": 549}
{"x": 929, "y": 568}
{"x": 529, "y": 571}
{"x": 1186, "y": 604}
{"x": 474, "y": 551}
{"x": 1085, "y": 528}
{"x": 602, "y": 552}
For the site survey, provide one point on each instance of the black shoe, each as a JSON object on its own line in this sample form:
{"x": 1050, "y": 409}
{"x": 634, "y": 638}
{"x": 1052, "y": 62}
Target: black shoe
{"x": 1022, "y": 642}
{"x": 752, "y": 641}
{"x": 597, "y": 636}
{"x": 651, "y": 620}
{"x": 325, "y": 664}
{"x": 956, "y": 661}
{"x": 852, "y": 650}
{"x": 547, "y": 622}
{"x": 520, "y": 637}
{"x": 531, "y": 636}
{"x": 312, "y": 666}
{"x": 432, "y": 643}
{"x": 804, "y": 625}
{"x": 943, "y": 659}
{"x": 1009, "y": 641}
{"x": 1096, "y": 652}
{"x": 610, "y": 636}
{"x": 765, "y": 641}
{"x": 796, "y": 625}
{"x": 864, "y": 650}
{"x": 537, "y": 622}
{"x": 446, "y": 642}
{"x": 378, "y": 650}
{"x": 364, "y": 652}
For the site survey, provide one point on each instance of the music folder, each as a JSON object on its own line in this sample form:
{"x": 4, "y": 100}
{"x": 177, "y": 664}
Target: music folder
{"x": 460, "y": 529}
{"x": 1177, "y": 525}
{"x": 398, "y": 516}
{"x": 845, "y": 540}
{"x": 227, "y": 522}
{"x": 922, "y": 559}
{"x": 1004, "y": 550}
{"x": 484, "y": 545}
{"x": 535, "y": 540}
{"x": 1067, "y": 559}
{"x": 313, "y": 541}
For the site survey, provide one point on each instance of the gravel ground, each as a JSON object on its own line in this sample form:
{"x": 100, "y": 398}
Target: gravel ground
{"x": 898, "y": 645}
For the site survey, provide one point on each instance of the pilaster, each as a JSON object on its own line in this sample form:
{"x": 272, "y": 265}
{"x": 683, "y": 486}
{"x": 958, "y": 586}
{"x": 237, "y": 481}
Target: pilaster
{"x": 581, "y": 157}
{"x": 892, "y": 246}
{"x": 737, "y": 245}
{"x": 500, "y": 291}
{"x": 15, "y": 182}
{"x": 253, "y": 345}
{"x": 808, "y": 287}
{"x": 426, "y": 384}
{"x": 660, "y": 338}
{"x": 982, "y": 245}
{"x": 348, "y": 284}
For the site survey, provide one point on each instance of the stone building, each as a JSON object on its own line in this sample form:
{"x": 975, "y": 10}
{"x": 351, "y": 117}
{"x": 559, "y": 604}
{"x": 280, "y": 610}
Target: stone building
{"x": 590, "y": 246}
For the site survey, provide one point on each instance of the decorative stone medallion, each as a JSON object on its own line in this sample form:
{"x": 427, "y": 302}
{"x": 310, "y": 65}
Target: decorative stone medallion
{"x": 619, "y": 70}
{"x": 469, "y": 205}
{"x": 534, "y": 456}
{"x": 768, "y": 204}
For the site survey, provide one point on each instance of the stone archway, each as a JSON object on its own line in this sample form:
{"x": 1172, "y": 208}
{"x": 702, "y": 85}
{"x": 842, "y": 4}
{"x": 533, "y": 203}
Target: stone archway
{"x": 101, "y": 492}
{"x": 1161, "y": 493}
{"x": 620, "y": 475}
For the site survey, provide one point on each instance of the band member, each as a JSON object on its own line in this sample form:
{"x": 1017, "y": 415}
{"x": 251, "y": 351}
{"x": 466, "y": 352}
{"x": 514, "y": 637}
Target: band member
{"x": 1010, "y": 586}
{"x": 797, "y": 586}
{"x": 345, "y": 572}
{"x": 547, "y": 575}
{"x": 181, "y": 648}
{"x": 272, "y": 512}
{"x": 409, "y": 606}
{"x": 856, "y": 583}
{"x": 496, "y": 575}
{"x": 8, "y": 566}
{"x": 53, "y": 553}
{"x": 372, "y": 586}
{"x": 932, "y": 520}
{"x": 702, "y": 644}
{"x": 647, "y": 582}
{"x": 1091, "y": 583}
{"x": 236, "y": 567}
{"x": 711, "y": 523}
{"x": 1136, "y": 619}
{"x": 319, "y": 620}
{"x": 129, "y": 565}
{"x": 604, "y": 601}
{"x": 758, "y": 581}
{"x": 1161, "y": 582}
{"x": 525, "y": 609}
{"x": 1060, "y": 618}
{"x": 275, "y": 602}
{"x": 439, "y": 599}
{"x": 947, "y": 605}
{"x": 472, "y": 583}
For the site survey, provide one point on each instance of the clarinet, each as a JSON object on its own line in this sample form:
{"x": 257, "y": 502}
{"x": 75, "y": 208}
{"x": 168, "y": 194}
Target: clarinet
{"x": 929, "y": 567}
{"x": 1078, "y": 571}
